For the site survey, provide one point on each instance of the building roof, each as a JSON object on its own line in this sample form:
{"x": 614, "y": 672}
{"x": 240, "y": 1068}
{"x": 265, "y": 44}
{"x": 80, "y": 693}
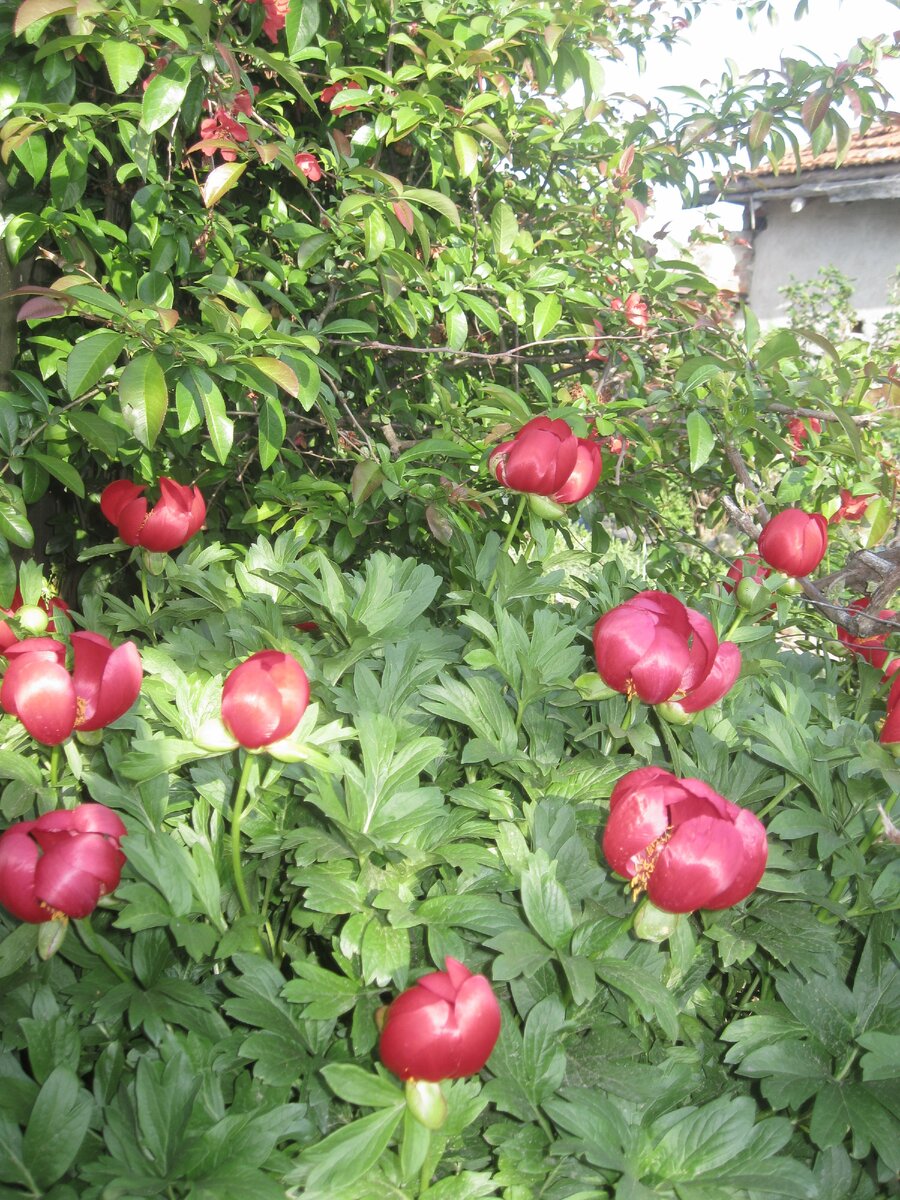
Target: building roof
{"x": 869, "y": 170}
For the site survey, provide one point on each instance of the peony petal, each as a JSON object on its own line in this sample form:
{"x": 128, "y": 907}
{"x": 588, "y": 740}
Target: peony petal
{"x": 700, "y": 862}
{"x": 635, "y": 822}
{"x": 165, "y": 529}
{"x": 251, "y": 708}
{"x": 197, "y": 513}
{"x": 638, "y": 780}
{"x": 703, "y": 647}
{"x": 18, "y": 859}
{"x": 456, "y": 971}
{"x": 85, "y": 818}
{"x": 585, "y": 474}
{"x": 720, "y": 680}
{"x": 42, "y": 696}
{"x": 658, "y": 675}
{"x": 46, "y": 648}
{"x": 132, "y": 517}
{"x": 417, "y": 1044}
{"x": 752, "y": 863}
{"x": 890, "y": 730}
{"x": 119, "y": 687}
{"x": 71, "y": 873}
{"x": 794, "y": 542}
{"x": 541, "y": 459}
{"x": 477, "y": 1016}
{"x": 114, "y": 498}
{"x": 621, "y": 638}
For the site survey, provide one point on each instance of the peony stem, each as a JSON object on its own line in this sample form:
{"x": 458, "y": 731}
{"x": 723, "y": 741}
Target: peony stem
{"x": 236, "y": 817}
{"x": 513, "y": 526}
{"x": 145, "y": 595}
{"x": 54, "y": 766}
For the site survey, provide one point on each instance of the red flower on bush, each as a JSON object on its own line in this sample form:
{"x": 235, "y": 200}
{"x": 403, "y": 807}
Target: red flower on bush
{"x": 635, "y": 309}
{"x": 890, "y": 730}
{"x": 658, "y": 649}
{"x": 52, "y": 703}
{"x": 798, "y": 431}
{"x": 444, "y": 1027}
{"x": 328, "y": 94}
{"x": 221, "y": 125}
{"x": 60, "y": 864}
{"x": 852, "y": 508}
{"x": 545, "y": 458}
{"x": 681, "y": 842}
{"x": 160, "y": 65}
{"x": 309, "y": 166}
{"x": 794, "y": 542}
{"x": 173, "y": 520}
{"x": 275, "y": 16}
{"x": 871, "y": 648}
{"x": 8, "y": 637}
{"x": 264, "y": 698}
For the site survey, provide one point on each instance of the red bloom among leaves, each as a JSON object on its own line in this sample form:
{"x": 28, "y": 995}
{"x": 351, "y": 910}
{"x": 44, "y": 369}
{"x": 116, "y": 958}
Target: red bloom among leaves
{"x": 60, "y": 864}
{"x": 794, "y": 542}
{"x": 635, "y": 309}
{"x": 871, "y": 648}
{"x": 264, "y": 698}
{"x": 52, "y": 703}
{"x": 852, "y": 508}
{"x": 545, "y": 458}
{"x": 160, "y": 65}
{"x": 444, "y": 1027}
{"x": 799, "y": 431}
{"x": 658, "y": 649}
{"x": 681, "y": 842}
{"x": 221, "y": 126}
{"x": 172, "y": 521}
{"x": 328, "y": 94}
{"x": 275, "y": 16}
{"x": 309, "y": 166}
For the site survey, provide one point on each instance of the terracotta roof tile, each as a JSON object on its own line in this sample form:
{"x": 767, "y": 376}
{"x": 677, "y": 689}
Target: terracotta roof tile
{"x": 879, "y": 144}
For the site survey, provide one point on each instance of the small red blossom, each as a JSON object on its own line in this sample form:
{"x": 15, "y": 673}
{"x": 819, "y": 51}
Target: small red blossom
{"x": 635, "y": 309}
{"x": 545, "y": 458}
{"x": 221, "y": 125}
{"x": 871, "y": 648}
{"x": 309, "y": 166}
{"x": 852, "y": 508}
{"x": 275, "y": 17}
{"x": 748, "y": 566}
{"x": 61, "y": 864}
{"x": 172, "y": 521}
{"x": 444, "y": 1027}
{"x": 595, "y": 352}
{"x": 682, "y": 843}
{"x": 798, "y": 431}
{"x": 328, "y": 94}
{"x": 160, "y": 65}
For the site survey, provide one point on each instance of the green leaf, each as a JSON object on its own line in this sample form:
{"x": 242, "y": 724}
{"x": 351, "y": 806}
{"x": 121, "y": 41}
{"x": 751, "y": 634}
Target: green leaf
{"x": 124, "y": 61}
{"x": 14, "y": 765}
{"x": 272, "y": 431}
{"x": 467, "y": 152}
{"x": 543, "y": 1063}
{"x": 348, "y": 1153}
{"x": 436, "y": 200}
{"x": 208, "y": 398}
{"x": 90, "y": 358}
{"x": 165, "y": 93}
{"x": 701, "y": 440}
{"x": 375, "y": 232}
{"x": 357, "y": 1086}
{"x": 457, "y": 328}
{"x": 780, "y": 345}
{"x": 504, "y": 231}
{"x": 63, "y": 471}
{"x": 15, "y": 526}
{"x": 279, "y": 372}
{"x": 17, "y": 947}
{"x": 32, "y": 11}
{"x": 220, "y": 180}
{"x": 545, "y": 902}
{"x": 546, "y": 316}
{"x": 301, "y": 24}
{"x": 144, "y": 398}
{"x": 57, "y": 1126}
{"x": 651, "y": 998}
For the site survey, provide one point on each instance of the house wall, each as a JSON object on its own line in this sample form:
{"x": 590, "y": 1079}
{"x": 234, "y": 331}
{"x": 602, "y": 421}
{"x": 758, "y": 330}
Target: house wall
{"x": 861, "y": 239}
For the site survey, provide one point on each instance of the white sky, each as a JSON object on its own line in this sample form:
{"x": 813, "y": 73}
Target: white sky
{"x": 830, "y": 30}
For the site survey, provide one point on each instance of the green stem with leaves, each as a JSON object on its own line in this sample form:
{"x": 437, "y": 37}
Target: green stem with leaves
{"x": 236, "y": 818}
{"x": 513, "y": 526}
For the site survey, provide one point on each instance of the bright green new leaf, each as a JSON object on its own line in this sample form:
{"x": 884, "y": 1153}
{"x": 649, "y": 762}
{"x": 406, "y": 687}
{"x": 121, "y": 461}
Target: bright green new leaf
{"x": 144, "y": 398}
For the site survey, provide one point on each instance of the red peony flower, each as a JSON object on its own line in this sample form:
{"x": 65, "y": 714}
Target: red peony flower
{"x": 173, "y": 520}
{"x": 309, "y": 166}
{"x": 852, "y": 508}
{"x": 635, "y": 309}
{"x": 51, "y": 703}
{"x": 658, "y": 649}
{"x": 872, "y": 648}
{"x": 794, "y": 542}
{"x": 60, "y": 864}
{"x": 545, "y": 458}
{"x": 264, "y": 698}
{"x": 328, "y": 94}
{"x": 444, "y": 1027}
{"x": 890, "y": 730}
{"x": 682, "y": 843}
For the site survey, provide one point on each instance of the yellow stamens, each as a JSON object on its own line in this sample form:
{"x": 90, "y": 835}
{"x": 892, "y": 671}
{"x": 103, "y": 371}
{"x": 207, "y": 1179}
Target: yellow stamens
{"x": 647, "y": 862}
